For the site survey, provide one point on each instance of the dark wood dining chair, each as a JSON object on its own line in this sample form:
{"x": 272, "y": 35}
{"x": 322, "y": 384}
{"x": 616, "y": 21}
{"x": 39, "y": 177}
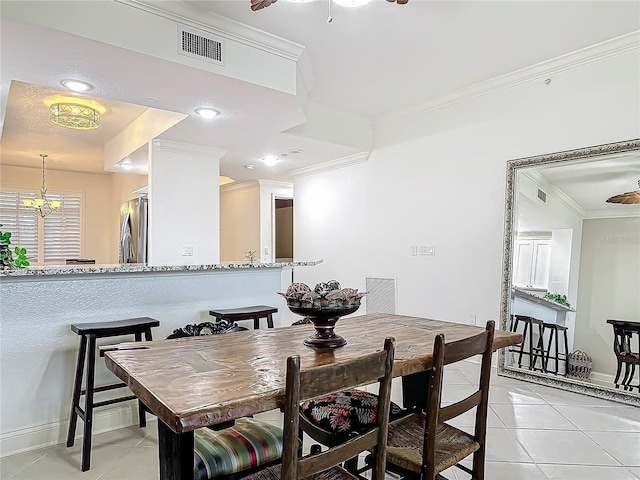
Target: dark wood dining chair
{"x": 304, "y": 384}
{"x": 626, "y": 347}
{"x": 335, "y": 418}
{"x": 422, "y": 445}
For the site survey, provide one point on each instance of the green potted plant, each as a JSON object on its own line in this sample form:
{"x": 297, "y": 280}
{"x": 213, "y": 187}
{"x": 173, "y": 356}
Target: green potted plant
{"x": 556, "y": 297}
{"x": 10, "y": 259}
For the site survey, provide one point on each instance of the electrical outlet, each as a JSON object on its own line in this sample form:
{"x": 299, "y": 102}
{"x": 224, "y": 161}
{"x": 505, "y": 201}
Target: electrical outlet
{"x": 414, "y": 250}
{"x": 427, "y": 250}
{"x": 187, "y": 250}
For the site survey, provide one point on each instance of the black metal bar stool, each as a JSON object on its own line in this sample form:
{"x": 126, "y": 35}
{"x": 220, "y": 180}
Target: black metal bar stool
{"x": 527, "y": 339}
{"x": 89, "y": 332}
{"x": 554, "y": 334}
{"x": 254, "y": 313}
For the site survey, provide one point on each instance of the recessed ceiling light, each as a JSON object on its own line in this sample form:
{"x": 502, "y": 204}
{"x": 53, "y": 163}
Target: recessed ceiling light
{"x": 270, "y": 160}
{"x": 207, "y": 112}
{"x": 76, "y": 85}
{"x": 126, "y": 164}
{"x": 295, "y": 150}
{"x": 249, "y": 167}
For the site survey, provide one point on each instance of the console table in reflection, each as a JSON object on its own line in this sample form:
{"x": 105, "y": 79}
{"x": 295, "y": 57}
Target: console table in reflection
{"x": 626, "y": 347}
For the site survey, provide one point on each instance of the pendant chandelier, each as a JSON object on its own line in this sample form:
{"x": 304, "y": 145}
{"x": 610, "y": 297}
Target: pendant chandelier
{"x": 40, "y": 204}
{"x": 628, "y": 198}
{"x": 75, "y": 116}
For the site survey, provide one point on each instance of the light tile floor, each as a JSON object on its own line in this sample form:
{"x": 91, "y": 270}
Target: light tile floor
{"x": 534, "y": 432}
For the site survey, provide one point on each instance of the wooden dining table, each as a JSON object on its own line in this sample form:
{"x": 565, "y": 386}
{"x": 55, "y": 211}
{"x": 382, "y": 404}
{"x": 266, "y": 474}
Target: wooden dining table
{"x": 196, "y": 382}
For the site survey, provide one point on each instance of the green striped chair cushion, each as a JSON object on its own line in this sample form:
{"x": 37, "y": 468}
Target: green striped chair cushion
{"x": 248, "y": 444}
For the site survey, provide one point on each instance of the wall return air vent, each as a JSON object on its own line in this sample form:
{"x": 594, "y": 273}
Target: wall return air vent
{"x": 542, "y": 196}
{"x": 193, "y": 43}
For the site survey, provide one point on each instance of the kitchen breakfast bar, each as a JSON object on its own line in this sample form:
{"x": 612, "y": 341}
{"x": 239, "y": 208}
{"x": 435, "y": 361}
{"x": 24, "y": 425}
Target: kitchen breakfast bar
{"x": 38, "y": 350}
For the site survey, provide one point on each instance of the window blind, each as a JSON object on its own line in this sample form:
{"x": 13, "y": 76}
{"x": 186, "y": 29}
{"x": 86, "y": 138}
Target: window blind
{"x": 52, "y": 239}
{"x": 62, "y": 229}
{"x": 22, "y": 224}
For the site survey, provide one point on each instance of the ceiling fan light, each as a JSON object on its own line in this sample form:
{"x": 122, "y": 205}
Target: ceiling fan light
{"x": 270, "y": 160}
{"x": 351, "y": 3}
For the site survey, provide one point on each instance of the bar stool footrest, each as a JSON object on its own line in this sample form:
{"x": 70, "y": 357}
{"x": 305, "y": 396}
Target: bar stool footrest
{"x": 104, "y": 388}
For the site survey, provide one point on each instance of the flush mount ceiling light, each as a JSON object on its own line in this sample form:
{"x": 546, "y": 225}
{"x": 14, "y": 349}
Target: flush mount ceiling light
{"x": 207, "y": 113}
{"x": 249, "y": 166}
{"x": 75, "y": 116}
{"x": 628, "y": 198}
{"x": 77, "y": 85}
{"x": 270, "y": 160}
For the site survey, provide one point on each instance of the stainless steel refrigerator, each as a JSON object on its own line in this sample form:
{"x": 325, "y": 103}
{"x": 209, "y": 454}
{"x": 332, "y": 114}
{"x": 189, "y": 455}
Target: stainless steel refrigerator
{"x": 133, "y": 231}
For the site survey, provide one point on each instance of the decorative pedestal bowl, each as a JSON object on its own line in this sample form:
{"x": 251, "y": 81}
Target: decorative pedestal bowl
{"x": 324, "y": 320}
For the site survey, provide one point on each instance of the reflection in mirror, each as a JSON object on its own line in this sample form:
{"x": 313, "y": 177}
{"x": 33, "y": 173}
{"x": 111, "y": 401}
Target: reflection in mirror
{"x": 572, "y": 270}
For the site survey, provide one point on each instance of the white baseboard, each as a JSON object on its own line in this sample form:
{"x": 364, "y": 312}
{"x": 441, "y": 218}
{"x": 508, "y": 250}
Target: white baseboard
{"x": 39, "y": 436}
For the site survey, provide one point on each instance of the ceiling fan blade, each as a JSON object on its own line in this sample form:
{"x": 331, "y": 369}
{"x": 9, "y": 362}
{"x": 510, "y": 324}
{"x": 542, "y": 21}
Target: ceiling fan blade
{"x": 260, "y": 4}
{"x": 628, "y": 198}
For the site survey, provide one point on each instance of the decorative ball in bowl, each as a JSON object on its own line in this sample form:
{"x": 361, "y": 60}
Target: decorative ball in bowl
{"x": 323, "y": 306}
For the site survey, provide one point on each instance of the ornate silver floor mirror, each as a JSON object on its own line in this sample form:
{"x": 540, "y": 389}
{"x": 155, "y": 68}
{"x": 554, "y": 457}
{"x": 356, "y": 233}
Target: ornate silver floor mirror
{"x": 564, "y": 240}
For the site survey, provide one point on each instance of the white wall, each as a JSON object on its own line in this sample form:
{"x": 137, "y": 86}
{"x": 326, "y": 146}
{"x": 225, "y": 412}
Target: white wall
{"x": 184, "y": 203}
{"x": 247, "y": 218}
{"x": 609, "y": 285}
{"x": 438, "y": 178}
{"x": 239, "y": 220}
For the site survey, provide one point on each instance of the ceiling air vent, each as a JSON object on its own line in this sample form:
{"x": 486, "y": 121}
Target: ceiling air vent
{"x": 542, "y": 196}
{"x": 200, "y": 45}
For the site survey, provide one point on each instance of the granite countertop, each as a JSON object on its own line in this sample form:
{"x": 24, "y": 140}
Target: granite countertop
{"x": 81, "y": 269}
{"x": 516, "y": 292}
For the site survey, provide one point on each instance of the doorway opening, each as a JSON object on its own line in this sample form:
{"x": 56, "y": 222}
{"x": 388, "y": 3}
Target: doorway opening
{"x": 284, "y": 229}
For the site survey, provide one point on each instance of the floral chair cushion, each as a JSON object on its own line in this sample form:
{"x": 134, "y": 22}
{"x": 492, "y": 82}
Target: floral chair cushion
{"x": 345, "y": 411}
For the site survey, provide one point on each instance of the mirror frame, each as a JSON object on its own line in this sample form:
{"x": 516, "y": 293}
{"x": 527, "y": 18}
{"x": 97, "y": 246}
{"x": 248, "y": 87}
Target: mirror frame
{"x": 608, "y": 393}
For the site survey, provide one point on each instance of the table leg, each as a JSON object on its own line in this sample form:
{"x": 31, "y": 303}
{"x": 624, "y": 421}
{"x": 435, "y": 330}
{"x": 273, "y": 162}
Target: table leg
{"x": 176, "y": 453}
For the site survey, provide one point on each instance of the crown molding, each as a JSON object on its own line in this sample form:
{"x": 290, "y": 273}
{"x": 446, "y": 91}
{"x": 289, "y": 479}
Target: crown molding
{"x": 584, "y": 56}
{"x": 274, "y": 183}
{"x": 220, "y": 26}
{"x": 631, "y": 212}
{"x": 330, "y": 165}
{"x": 234, "y": 187}
{"x": 188, "y": 148}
